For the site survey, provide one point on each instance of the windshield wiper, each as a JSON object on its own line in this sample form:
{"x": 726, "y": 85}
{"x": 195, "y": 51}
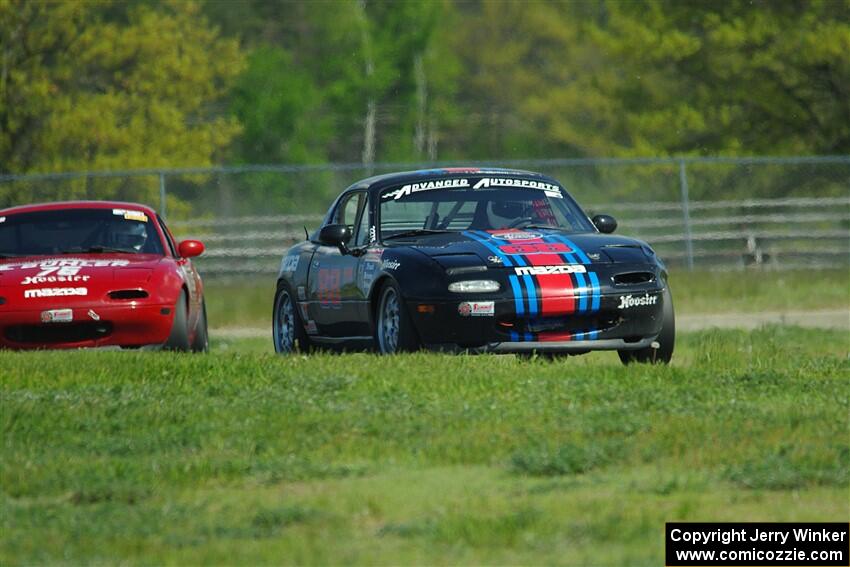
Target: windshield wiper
{"x": 418, "y": 232}
{"x": 98, "y": 249}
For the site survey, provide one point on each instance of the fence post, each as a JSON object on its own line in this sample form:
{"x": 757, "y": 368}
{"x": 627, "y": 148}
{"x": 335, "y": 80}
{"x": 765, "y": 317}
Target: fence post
{"x": 162, "y": 194}
{"x": 689, "y": 244}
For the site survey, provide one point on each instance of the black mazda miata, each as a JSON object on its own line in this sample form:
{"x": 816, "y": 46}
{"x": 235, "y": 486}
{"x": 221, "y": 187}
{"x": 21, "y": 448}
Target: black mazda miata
{"x": 468, "y": 259}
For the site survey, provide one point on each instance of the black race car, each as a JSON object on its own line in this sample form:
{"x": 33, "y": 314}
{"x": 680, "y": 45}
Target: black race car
{"x": 482, "y": 260}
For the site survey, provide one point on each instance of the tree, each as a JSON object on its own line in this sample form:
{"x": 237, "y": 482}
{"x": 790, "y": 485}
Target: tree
{"x": 87, "y": 86}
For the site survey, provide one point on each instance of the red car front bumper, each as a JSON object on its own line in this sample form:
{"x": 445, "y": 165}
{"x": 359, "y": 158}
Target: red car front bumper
{"x": 90, "y": 327}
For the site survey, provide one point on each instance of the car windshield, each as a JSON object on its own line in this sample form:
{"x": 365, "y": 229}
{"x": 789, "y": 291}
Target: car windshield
{"x": 420, "y": 208}
{"x": 69, "y": 231}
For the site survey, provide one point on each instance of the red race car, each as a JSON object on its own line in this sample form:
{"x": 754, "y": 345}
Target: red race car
{"x": 97, "y": 274}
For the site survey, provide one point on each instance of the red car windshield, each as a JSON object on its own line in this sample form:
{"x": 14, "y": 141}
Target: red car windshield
{"x": 69, "y": 231}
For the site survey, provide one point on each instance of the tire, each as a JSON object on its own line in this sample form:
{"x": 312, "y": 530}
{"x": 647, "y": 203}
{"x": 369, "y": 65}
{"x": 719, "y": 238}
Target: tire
{"x": 288, "y": 332}
{"x": 202, "y": 341}
{"x": 179, "y": 337}
{"x": 666, "y": 339}
{"x": 394, "y": 331}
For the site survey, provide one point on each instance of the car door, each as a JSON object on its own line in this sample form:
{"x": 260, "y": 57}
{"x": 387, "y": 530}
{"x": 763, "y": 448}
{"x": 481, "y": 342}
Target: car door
{"x": 335, "y": 300}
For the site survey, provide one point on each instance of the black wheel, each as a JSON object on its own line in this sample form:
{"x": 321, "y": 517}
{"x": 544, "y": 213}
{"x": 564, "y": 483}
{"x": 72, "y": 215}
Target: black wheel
{"x": 179, "y": 337}
{"x": 394, "y": 330}
{"x": 288, "y": 330}
{"x": 202, "y": 341}
{"x": 665, "y": 342}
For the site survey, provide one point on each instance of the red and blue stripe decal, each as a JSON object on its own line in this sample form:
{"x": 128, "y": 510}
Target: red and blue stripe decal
{"x": 544, "y": 295}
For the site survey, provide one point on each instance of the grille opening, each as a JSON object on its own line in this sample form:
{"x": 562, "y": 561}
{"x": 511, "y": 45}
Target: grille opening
{"x": 58, "y": 333}
{"x": 634, "y": 278}
{"x": 124, "y": 294}
{"x": 571, "y": 323}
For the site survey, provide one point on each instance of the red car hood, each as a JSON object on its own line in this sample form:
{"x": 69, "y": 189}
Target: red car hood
{"x": 33, "y": 281}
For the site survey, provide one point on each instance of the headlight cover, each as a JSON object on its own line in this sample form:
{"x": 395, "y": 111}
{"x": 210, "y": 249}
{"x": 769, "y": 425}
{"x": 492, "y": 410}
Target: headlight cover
{"x": 474, "y": 286}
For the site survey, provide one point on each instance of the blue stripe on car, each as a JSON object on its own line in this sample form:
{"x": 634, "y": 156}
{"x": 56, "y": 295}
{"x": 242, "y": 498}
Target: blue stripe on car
{"x": 490, "y": 238}
{"x": 518, "y": 302}
{"x": 594, "y": 281}
{"x": 582, "y": 292}
{"x": 582, "y": 256}
{"x": 494, "y": 249}
{"x": 595, "y": 290}
{"x": 532, "y": 295}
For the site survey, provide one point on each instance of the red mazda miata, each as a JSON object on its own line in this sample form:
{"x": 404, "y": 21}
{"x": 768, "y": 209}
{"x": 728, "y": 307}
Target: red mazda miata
{"x": 96, "y": 274}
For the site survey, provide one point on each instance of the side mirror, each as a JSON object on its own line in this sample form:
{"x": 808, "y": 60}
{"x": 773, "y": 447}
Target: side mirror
{"x": 336, "y": 235}
{"x": 190, "y": 248}
{"x": 606, "y": 224}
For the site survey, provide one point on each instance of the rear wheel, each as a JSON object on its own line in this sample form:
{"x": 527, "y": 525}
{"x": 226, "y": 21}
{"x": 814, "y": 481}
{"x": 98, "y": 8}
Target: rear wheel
{"x": 289, "y": 335}
{"x": 179, "y": 337}
{"x": 201, "y": 342}
{"x": 394, "y": 330}
{"x": 662, "y": 349}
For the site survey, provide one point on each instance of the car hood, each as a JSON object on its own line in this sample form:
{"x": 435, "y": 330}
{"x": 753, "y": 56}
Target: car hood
{"x": 80, "y": 275}
{"x": 501, "y": 247}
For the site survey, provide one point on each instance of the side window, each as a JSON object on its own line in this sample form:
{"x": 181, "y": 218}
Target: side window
{"x": 346, "y": 211}
{"x": 168, "y": 239}
{"x": 361, "y": 237}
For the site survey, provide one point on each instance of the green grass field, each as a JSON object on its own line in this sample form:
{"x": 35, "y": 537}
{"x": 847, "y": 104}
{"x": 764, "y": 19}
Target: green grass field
{"x": 246, "y": 457}
{"x": 249, "y": 303}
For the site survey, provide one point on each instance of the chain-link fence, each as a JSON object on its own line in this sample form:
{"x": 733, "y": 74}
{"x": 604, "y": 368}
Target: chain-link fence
{"x": 717, "y": 213}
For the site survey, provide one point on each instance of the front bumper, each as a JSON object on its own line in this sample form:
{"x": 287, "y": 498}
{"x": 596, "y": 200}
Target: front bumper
{"x": 608, "y": 326}
{"x": 92, "y": 326}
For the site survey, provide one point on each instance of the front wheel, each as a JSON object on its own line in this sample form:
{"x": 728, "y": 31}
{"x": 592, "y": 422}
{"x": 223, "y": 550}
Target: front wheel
{"x": 179, "y": 337}
{"x": 394, "y": 330}
{"x": 662, "y": 351}
{"x": 202, "y": 341}
{"x": 289, "y": 334}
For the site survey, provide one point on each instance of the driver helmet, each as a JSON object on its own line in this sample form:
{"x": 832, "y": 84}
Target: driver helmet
{"x": 130, "y": 235}
{"x": 503, "y": 213}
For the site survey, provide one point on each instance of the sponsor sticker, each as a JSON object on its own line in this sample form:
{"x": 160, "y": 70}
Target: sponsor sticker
{"x": 57, "y": 316}
{"x": 93, "y": 315}
{"x": 549, "y": 189}
{"x": 390, "y": 265}
{"x": 536, "y": 248}
{"x": 2, "y": 219}
{"x": 131, "y": 215}
{"x": 546, "y": 270}
{"x": 477, "y": 309}
{"x": 290, "y": 263}
{"x": 56, "y": 274}
{"x": 494, "y": 259}
{"x": 63, "y": 263}
{"x": 411, "y": 188}
{"x": 627, "y": 301}
{"x": 518, "y": 235}
{"x": 55, "y": 292}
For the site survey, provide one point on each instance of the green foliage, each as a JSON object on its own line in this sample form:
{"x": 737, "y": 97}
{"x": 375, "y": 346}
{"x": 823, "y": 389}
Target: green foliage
{"x": 99, "y": 86}
{"x": 113, "y": 85}
{"x": 341, "y": 459}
